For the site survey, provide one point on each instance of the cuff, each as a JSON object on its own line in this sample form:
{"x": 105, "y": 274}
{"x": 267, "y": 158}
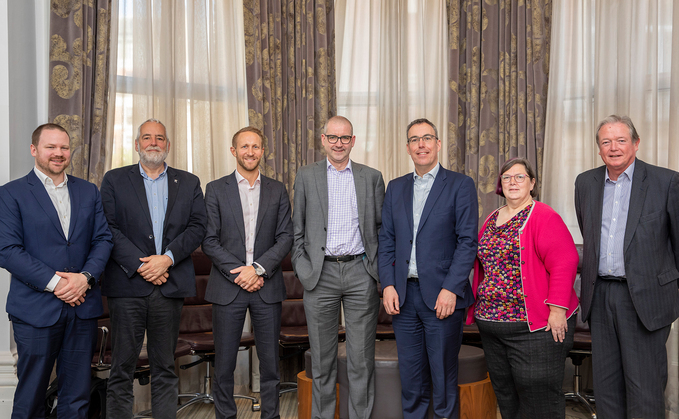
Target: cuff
{"x": 53, "y": 283}
{"x": 169, "y": 253}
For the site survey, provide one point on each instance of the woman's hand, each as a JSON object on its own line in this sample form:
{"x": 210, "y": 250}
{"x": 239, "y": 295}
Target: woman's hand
{"x": 557, "y": 323}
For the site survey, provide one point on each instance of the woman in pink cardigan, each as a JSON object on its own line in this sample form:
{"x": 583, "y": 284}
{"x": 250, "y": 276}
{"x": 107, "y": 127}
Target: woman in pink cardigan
{"x": 525, "y": 302}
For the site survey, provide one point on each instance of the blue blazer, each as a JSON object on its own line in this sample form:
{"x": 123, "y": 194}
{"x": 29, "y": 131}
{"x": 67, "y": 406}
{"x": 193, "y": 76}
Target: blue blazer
{"x": 127, "y": 212}
{"x": 33, "y": 247}
{"x": 446, "y": 237}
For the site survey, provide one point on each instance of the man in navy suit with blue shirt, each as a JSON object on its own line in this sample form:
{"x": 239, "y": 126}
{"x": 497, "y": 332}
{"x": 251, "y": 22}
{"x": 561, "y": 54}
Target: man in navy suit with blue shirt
{"x": 55, "y": 242}
{"x": 427, "y": 248}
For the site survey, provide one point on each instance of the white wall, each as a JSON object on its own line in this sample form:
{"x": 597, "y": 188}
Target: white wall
{"x": 24, "y": 58}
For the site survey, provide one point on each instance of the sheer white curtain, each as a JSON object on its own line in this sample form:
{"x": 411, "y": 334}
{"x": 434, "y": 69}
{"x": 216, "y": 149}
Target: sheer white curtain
{"x": 611, "y": 56}
{"x": 391, "y": 68}
{"x": 182, "y": 62}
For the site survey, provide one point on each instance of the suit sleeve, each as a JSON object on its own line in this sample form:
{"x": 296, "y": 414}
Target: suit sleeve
{"x": 379, "y": 202}
{"x": 188, "y": 240}
{"x": 673, "y": 211}
{"x": 387, "y": 248}
{"x": 102, "y": 243}
{"x": 466, "y": 230}
{"x": 13, "y": 256}
{"x": 125, "y": 253}
{"x": 300, "y": 258}
{"x": 272, "y": 258}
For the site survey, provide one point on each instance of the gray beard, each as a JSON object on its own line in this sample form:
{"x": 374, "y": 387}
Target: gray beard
{"x": 154, "y": 159}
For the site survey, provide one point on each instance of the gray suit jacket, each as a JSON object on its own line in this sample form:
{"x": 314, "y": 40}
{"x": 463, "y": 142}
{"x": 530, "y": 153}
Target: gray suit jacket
{"x": 224, "y": 243}
{"x": 310, "y": 218}
{"x": 651, "y": 248}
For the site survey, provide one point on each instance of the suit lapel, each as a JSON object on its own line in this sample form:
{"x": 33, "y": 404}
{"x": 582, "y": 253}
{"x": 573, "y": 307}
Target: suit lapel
{"x": 74, "y": 194}
{"x": 321, "y": 175}
{"x": 408, "y": 201}
{"x": 636, "y": 201}
{"x": 264, "y": 199}
{"x": 359, "y": 185}
{"x": 434, "y": 193}
{"x": 138, "y": 185}
{"x": 597, "y": 197}
{"x": 233, "y": 195}
{"x": 40, "y": 193}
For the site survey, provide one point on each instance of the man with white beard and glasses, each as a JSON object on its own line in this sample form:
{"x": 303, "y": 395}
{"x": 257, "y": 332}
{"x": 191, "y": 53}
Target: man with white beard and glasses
{"x": 157, "y": 217}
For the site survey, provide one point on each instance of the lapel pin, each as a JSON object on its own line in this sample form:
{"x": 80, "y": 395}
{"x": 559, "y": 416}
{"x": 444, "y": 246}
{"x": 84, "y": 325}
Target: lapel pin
{"x": 175, "y": 181}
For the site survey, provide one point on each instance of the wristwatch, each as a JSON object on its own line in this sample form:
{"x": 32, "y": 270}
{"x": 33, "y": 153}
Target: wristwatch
{"x": 258, "y": 269}
{"x": 90, "y": 279}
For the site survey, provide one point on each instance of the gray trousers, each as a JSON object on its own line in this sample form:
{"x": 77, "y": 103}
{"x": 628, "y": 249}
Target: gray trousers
{"x": 158, "y": 316}
{"x": 629, "y": 362}
{"x": 526, "y": 368}
{"x": 348, "y": 283}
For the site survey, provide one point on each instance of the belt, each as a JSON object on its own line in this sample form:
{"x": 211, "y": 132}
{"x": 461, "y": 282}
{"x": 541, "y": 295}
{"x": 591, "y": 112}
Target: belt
{"x": 613, "y": 278}
{"x": 345, "y": 258}
{"x": 413, "y": 279}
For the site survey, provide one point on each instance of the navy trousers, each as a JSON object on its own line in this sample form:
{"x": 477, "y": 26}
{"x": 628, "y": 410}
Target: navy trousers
{"x": 71, "y": 343}
{"x": 427, "y": 357}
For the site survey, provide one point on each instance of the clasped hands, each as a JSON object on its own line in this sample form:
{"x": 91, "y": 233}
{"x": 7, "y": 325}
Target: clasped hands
{"x": 71, "y": 288}
{"x": 154, "y": 268}
{"x": 247, "y": 278}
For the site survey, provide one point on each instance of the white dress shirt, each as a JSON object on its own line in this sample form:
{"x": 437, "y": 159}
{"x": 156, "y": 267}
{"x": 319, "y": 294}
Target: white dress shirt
{"x": 249, "y": 202}
{"x": 62, "y": 203}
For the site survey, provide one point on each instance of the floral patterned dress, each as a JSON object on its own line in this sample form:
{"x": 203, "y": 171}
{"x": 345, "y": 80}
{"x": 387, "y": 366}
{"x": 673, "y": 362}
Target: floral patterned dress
{"x": 500, "y": 295}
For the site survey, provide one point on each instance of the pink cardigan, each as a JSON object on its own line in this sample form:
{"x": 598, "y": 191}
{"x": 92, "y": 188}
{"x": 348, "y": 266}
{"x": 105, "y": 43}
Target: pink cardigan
{"x": 549, "y": 263}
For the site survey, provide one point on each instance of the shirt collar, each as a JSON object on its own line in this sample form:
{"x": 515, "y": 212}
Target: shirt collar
{"x": 146, "y": 176}
{"x": 330, "y": 166}
{"x": 629, "y": 172}
{"x": 240, "y": 178}
{"x": 44, "y": 178}
{"x": 432, "y": 173}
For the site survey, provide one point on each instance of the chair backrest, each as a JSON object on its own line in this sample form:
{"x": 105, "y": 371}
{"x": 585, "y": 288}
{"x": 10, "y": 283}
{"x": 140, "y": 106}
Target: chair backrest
{"x": 197, "y": 313}
{"x": 292, "y": 312}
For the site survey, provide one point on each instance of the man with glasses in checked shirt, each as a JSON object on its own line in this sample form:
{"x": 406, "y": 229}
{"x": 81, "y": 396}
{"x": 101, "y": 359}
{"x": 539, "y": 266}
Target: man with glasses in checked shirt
{"x": 336, "y": 218}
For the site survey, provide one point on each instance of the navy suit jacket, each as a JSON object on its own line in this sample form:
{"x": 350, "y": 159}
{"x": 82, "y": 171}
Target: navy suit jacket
{"x": 225, "y": 239}
{"x": 33, "y": 247}
{"x": 446, "y": 237}
{"x": 127, "y": 211}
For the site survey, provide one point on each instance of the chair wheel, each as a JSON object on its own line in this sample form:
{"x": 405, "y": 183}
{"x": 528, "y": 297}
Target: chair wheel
{"x": 256, "y": 407}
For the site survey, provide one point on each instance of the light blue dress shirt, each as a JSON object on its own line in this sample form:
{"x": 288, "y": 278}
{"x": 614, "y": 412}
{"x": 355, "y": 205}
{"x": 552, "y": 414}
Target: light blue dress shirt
{"x": 157, "y": 197}
{"x": 613, "y": 222}
{"x": 421, "y": 188}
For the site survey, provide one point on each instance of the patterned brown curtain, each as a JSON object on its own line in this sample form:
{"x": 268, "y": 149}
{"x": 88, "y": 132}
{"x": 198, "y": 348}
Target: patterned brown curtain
{"x": 498, "y": 66}
{"x": 290, "y": 67}
{"x": 79, "y": 60}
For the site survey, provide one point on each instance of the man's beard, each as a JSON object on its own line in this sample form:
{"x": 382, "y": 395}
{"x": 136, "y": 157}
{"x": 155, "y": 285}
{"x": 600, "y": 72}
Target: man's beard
{"x": 152, "y": 159}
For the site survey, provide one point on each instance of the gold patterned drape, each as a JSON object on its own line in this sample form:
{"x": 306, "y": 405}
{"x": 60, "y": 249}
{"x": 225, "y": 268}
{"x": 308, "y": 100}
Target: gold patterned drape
{"x": 498, "y": 74}
{"x": 79, "y": 60}
{"x": 290, "y": 69}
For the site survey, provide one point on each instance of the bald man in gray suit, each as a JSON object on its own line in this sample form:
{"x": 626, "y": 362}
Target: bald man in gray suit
{"x": 337, "y": 216}
{"x": 628, "y": 213}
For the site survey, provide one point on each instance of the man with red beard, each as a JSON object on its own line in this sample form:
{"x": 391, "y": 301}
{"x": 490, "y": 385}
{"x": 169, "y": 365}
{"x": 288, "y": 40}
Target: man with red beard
{"x": 55, "y": 242}
{"x": 157, "y": 216}
{"x": 249, "y": 233}
{"x": 338, "y": 213}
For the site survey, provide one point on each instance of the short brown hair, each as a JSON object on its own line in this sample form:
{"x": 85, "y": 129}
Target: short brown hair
{"x": 247, "y": 129}
{"x": 35, "y": 138}
{"x": 508, "y": 165}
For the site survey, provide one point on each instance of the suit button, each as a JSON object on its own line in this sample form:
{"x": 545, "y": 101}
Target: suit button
{"x": 407, "y": 261}
{"x": 68, "y": 243}
{"x": 530, "y": 322}
{"x": 523, "y": 261}
{"x": 151, "y": 236}
{"x": 323, "y": 248}
{"x": 411, "y": 242}
{"x": 325, "y": 229}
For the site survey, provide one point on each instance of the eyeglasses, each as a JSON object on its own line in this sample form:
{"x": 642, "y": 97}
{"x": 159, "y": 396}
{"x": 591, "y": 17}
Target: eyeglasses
{"x": 332, "y": 139}
{"x": 426, "y": 138}
{"x": 517, "y": 178}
